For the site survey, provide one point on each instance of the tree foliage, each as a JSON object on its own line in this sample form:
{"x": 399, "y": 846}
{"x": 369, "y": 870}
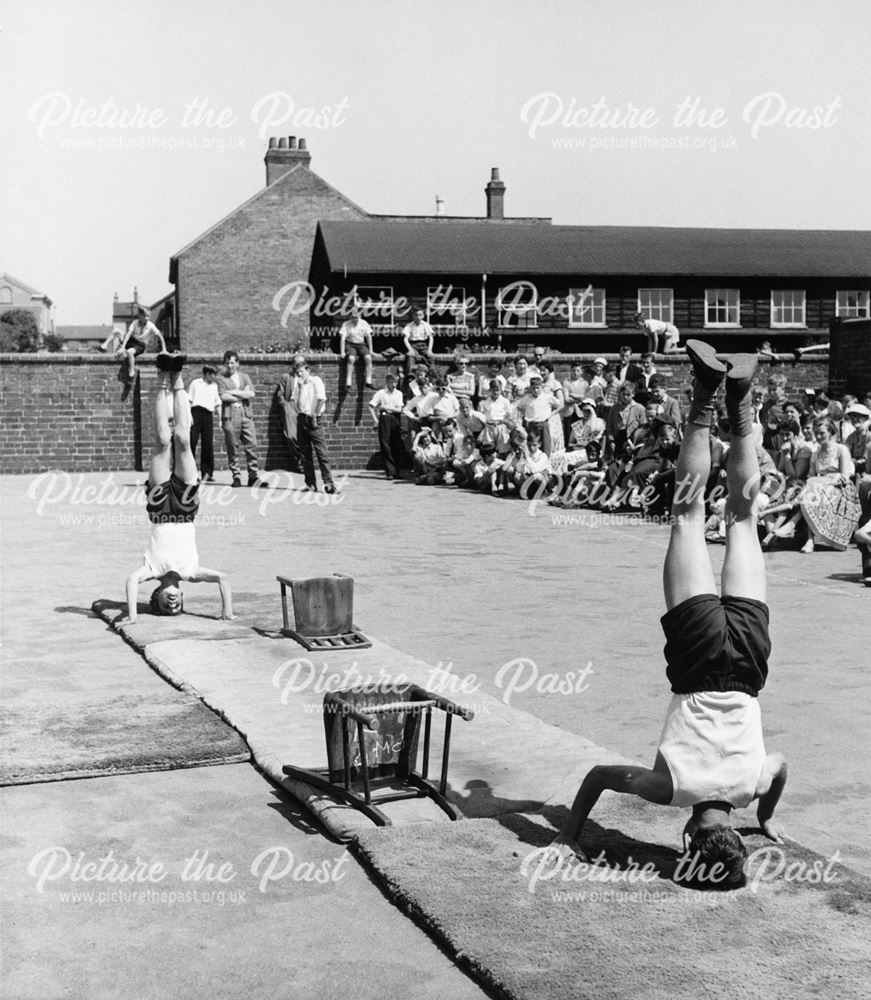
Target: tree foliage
{"x": 18, "y": 331}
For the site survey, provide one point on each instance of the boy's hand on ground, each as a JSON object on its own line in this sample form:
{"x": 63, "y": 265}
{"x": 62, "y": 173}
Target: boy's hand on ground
{"x": 773, "y": 830}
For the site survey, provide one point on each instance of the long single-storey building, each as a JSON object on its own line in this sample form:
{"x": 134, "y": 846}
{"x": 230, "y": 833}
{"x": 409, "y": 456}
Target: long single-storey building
{"x": 279, "y": 271}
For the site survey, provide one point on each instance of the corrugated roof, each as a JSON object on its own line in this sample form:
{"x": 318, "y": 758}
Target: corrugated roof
{"x": 472, "y": 248}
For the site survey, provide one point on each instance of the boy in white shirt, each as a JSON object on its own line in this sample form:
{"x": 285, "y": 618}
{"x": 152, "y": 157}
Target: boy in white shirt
{"x": 172, "y": 502}
{"x": 205, "y": 400}
{"x": 355, "y": 341}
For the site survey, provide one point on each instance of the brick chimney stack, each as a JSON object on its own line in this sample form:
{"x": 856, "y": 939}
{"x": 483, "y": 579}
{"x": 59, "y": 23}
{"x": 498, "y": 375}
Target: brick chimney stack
{"x": 282, "y": 155}
{"x": 495, "y": 192}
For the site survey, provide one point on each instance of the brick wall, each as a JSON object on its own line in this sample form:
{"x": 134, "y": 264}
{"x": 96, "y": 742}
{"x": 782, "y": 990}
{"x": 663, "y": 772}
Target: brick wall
{"x": 71, "y": 412}
{"x": 228, "y": 278}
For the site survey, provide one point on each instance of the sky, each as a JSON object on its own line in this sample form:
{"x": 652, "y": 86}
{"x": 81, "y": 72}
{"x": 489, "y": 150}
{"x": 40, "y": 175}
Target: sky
{"x": 130, "y": 128}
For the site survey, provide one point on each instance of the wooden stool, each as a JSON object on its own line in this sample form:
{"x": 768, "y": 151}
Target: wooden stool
{"x": 323, "y": 611}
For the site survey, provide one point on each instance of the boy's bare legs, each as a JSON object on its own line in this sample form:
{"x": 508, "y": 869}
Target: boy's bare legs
{"x": 185, "y": 462}
{"x": 687, "y": 571}
{"x": 744, "y": 565}
{"x": 161, "y": 461}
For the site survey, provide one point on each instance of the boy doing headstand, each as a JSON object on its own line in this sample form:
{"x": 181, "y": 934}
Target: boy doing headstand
{"x": 711, "y": 756}
{"x": 172, "y": 503}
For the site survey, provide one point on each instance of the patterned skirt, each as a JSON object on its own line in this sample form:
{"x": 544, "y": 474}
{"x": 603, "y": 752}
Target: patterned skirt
{"x": 831, "y": 509}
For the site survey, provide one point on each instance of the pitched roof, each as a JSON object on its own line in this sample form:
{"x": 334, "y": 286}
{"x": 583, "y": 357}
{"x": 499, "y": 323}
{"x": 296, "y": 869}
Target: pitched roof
{"x": 33, "y": 292}
{"x": 472, "y": 248}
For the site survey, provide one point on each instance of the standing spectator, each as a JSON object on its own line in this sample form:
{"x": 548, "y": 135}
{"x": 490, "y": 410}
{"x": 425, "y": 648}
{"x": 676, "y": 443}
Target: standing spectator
{"x": 538, "y": 355}
{"x": 136, "y": 341}
{"x": 648, "y": 370}
{"x": 518, "y": 383}
{"x": 610, "y": 394}
{"x": 386, "y": 407}
{"x": 496, "y": 412}
{"x": 773, "y": 410}
{"x": 440, "y": 405}
{"x": 626, "y": 370}
{"x": 355, "y": 341}
{"x": 600, "y": 366}
{"x": 535, "y": 409}
{"x": 205, "y": 400}
{"x": 656, "y": 329}
{"x": 549, "y": 382}
{"x": 494, "y": 366}
{"x": 284, "y": 393}
{"x": 237, "y": 422}
{"x": 310, "y": 398}
{"x": 461, "y": 380}
{"x": 418, "y": 339}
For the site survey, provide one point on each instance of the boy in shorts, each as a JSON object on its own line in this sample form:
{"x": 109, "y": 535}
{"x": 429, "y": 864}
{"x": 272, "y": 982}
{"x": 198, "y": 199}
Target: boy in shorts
{"x": 172, "y": 502}
{"x": 711, "y": 756}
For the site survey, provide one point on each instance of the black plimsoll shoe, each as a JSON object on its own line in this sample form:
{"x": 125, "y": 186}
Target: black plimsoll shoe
{"x": 707, "y": 368}
{"x": 742, "y": 370}
{"x": 163, "y": 361}
{"x": 177, "y": 362}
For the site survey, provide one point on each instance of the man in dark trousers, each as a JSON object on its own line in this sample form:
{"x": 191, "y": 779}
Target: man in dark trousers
{"x": 386, "y": 407}
{"x": 310, "y": 398}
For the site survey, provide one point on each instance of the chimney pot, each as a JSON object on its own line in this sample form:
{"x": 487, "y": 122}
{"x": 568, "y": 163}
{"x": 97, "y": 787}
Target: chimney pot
{"x": 291, "y": 142}
{"x": 273, "y": 142}
{"x": 303, "y": 144}
{"x": 282, "y": 143}
{"x": 494, "y": 173}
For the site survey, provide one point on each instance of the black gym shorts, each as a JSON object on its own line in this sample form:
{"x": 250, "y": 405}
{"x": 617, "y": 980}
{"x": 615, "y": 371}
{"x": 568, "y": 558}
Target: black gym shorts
{"x": 717, "y": 644}
{"x": 172, "y": 502}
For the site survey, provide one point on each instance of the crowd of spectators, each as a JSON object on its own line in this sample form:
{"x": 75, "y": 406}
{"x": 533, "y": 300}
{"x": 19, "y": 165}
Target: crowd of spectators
{"x": 607, "y": 438}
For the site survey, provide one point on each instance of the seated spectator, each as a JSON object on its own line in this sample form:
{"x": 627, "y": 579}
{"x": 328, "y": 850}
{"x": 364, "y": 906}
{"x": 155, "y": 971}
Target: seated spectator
{"x": 862, "y": 535}
{"x": 537, "y": 468}
{"x": 494, "y": 368}
{"x": 590, "y": 428}
{"x": 667, "y": 407}
{"x": 464, "y": 455}
{"x": 859, "y": 417}
{"x": 829, "y": 504}
{"x": 417, "y": 337}
{"x": 646, "y": 468}
{"x": 496, "y": 411}
{"x": 470, "y": 421}
{"x": 429, "y": 458}
{"x": 513, "y": 470}
{"x": 773, "y": 409}
{"x": 625, "y": 417}
{"x": 485, "y": 471}
{"x": 461, "y": 380}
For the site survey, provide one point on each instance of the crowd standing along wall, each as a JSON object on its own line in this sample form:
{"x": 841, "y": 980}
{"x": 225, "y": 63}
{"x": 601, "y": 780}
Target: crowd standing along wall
{"x": 72, "y": 413}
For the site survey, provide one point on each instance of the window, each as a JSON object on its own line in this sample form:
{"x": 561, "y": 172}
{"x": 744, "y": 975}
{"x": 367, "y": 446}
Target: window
{"x": 852, "y": 305}
{"x": 787, "y": 307}
{"x": 722, "y": 307}
{"x": 656, "y": 303}
{"x": 587, "y": 306}
{"x": 376, "y": 302}
{"x": 6, "y": 295}
{"x": 446, "y": 306}
{"x": 517, "y": 306}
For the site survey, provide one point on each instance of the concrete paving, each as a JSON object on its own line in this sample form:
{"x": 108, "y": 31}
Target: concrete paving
{"x": 558, "y": 618}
